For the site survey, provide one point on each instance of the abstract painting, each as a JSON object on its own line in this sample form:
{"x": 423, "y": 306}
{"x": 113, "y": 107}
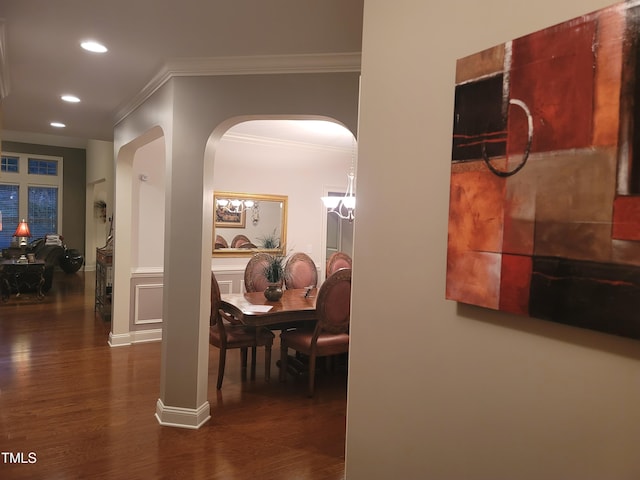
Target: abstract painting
{"x": 544, "y": 216}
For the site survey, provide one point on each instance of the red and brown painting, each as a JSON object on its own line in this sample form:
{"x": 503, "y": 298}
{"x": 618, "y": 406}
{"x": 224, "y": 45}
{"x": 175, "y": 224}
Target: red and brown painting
{"x": 545, "y": 178}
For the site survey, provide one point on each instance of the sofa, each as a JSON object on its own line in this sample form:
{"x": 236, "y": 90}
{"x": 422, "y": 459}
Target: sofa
{"x": 51, "y": 254}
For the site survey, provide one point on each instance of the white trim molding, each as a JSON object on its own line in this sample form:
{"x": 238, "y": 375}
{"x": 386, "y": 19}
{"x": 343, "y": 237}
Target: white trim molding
{"x": 243, "y": 65}
{"x": 119, "y": 340}
{"x": 182, "y": 417}
{"x": 144, "y": 336}
{"x": 138, "y": 293}
{"x": 138, "y": 336}
{"x": 278, "y": 142}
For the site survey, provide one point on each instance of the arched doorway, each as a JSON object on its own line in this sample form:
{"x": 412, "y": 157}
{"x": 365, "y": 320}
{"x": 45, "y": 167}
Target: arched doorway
{"x": 300, "y": 158}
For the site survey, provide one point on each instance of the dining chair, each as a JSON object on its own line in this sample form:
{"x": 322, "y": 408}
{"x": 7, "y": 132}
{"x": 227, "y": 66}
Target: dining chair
{"x": 336, "y": 261}
{"x": 239, "y": 240}
{"x": 300, "y": 271}
{"x": 221, "y": 242}
{"x": 227, "y": 332}
{"x": 330, "y": 336}
{"x": 254, "y": 277}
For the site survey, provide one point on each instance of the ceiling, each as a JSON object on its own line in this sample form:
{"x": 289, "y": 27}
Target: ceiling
{"x": 41, "y": 59}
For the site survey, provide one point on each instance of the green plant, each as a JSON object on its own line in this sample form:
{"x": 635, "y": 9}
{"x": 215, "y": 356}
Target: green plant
{"x": 270, "y": 240}
{"x": 274, "y": 270}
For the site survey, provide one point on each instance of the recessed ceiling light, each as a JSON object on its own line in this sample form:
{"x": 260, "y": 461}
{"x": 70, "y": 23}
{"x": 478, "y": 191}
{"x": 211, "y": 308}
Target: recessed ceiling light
{"x": 70, "y": 98}
{"x": 57, "y": 124}
{"x": 92, "y": 46}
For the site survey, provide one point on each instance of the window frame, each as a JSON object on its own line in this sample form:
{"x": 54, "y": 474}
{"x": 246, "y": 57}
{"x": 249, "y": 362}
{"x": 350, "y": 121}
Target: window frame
{"x": 25, "y": 180}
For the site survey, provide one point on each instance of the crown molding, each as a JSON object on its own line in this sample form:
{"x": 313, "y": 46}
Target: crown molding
{"x": 279, "y": 142}
{"x": 4, "y": 62}
{"x": 246, "y": 65}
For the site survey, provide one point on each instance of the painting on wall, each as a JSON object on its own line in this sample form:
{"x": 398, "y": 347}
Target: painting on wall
{"x": 544, "y": 215}
{"x": 226, "y": 219}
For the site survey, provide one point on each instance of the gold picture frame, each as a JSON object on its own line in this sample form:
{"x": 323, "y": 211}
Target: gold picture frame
{"x": 223, "y": 218}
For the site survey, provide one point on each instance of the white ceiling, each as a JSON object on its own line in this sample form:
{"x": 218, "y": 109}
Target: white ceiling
{"x": 41, "y": 59}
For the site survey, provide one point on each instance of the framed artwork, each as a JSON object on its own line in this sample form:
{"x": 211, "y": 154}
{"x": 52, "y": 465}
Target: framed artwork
{"x": 226, "y": 219}
{"x": 544, "y": 215}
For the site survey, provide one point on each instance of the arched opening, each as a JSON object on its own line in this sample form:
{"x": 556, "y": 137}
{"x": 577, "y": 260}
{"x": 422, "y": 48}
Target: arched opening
{"x": 134, "y": 222}
{"x": 301, "y": 158}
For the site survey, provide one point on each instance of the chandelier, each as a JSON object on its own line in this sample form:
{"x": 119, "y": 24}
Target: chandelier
{"x": 234, "y": 205}
{"x": 344, "y": 207}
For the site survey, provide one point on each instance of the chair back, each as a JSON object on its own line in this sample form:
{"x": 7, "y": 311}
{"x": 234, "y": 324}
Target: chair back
{"x": 336, "y": 261}
{"x": 239, "y": 240}
{"x": 216, "y": 301}
{"x": 221, "y": 242}
{"x": 300, "y": 271}
{"x": 254, "y": 278}
{"x": 333, "y": 305}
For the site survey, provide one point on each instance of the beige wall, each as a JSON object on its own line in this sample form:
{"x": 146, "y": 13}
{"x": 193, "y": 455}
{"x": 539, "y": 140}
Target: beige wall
{"x": 99, "y": 186}
{"x": 463, "y": 392}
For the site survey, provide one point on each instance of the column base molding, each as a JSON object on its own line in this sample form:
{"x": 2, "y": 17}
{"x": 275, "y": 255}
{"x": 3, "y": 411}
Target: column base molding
{"x": 119, "y": 340}
{"x": 182, "y": 417}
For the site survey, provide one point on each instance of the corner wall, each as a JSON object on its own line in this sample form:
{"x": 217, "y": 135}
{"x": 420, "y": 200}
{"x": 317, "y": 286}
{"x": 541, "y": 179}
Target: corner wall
{"x": 463, "y": 393}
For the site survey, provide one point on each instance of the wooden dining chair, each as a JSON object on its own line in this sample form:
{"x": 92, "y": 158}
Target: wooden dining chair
{"x": 336, "y": 261}
{"x": 226, "y": 332}
{"x": 254, "y": 277}
{"x": 331, "y": 333}
{"x": 221, "y": 242}
{"x": 300, "y": 271}
{"x": 239, "y": 240}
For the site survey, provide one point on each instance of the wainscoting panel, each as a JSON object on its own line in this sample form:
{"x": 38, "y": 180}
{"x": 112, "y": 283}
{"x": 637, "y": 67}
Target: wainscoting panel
{"x": 146, "y": 306}
{"x": 145, "y": 314}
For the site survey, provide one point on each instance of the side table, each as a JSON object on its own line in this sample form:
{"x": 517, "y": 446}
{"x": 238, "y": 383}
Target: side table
{"x": 21, "y": 277}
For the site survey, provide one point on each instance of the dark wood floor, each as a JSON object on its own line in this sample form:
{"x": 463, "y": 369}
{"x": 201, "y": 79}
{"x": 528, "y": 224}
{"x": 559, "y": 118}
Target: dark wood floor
{"x": 86, "y": 410}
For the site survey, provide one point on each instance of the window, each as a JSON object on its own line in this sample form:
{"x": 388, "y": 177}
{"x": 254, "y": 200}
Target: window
{"x": 9, "y": 164}
{"x": 30, "y": 188}
{"x": 43, "y": 211}
{"x": 9, "y": 195}
{"x": 38, "y": 166}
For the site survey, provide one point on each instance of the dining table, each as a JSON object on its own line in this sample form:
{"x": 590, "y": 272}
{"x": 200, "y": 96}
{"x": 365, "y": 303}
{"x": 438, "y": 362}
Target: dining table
{"x": 295, "y": 308}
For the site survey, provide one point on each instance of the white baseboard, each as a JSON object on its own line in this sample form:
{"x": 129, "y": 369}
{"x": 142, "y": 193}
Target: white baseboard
{"x": 142, "y": 336}
{"x": 182, "y": 417}
{"x": 120, "y": 340}
{"x": 139, "y": 336}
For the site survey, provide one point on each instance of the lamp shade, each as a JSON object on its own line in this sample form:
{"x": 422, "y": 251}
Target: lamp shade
{"x": 22, "y": 230}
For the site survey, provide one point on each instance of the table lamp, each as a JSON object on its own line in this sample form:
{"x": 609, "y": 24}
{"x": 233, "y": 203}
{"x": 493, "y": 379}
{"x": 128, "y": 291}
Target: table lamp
{"x": 22, "y": 233}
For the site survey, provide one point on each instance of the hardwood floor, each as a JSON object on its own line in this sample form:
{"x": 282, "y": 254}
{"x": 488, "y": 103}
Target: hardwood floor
{"x": 81, "y": 409}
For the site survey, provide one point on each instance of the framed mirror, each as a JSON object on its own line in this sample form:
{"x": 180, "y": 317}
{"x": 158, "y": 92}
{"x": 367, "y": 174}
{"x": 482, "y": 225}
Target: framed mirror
{"x": 245, "y": 223}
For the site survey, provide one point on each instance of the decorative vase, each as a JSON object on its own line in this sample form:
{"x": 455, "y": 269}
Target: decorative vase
{"x": 273, "y": 293}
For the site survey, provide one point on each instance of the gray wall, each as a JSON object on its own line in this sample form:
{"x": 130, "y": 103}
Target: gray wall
{"x": 73, "y": 189}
